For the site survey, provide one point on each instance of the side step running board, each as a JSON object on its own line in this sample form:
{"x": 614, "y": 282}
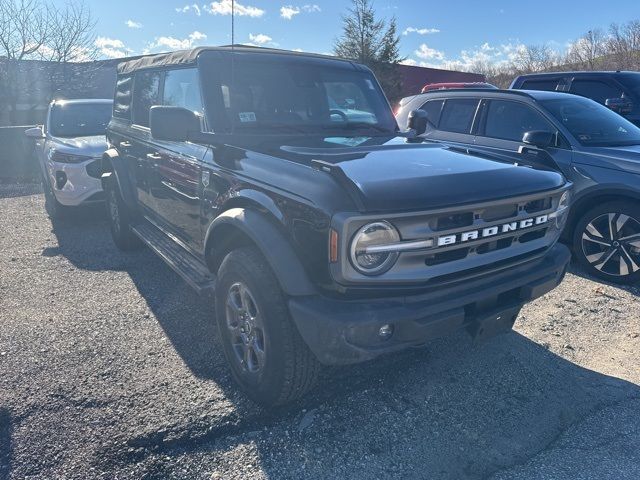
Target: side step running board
{"x": 192, "y": 270}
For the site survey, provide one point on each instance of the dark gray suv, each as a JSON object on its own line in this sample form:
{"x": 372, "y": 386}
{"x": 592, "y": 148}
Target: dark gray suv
{"x": 596, "y": 149}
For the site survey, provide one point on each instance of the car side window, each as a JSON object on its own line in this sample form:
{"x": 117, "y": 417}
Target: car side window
{"x": 146, "y": 89}
{"x": 508, "y": 120}
{"x": 182, "y": 89}
{"x": 433, "y": 109}
{"x": 595, "y": 90}
{"x": 457, "y": 115}
{"x": 122, "y": 99}
{"x": 546, "y": 85}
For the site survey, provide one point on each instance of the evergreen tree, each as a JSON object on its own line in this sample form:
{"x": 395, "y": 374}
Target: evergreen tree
{"x": 372, "y": 42}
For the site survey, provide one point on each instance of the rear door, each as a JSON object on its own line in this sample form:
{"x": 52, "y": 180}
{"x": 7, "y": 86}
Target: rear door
{"x": 139, "y": 146}
{"x": 177, "y": 166}
{"x": 451, "y": 120}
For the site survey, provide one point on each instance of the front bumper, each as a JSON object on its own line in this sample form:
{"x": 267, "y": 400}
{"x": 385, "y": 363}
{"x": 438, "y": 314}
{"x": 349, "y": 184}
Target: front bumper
{"x": 346, "y": 331}
{"x": 72, "y": 184}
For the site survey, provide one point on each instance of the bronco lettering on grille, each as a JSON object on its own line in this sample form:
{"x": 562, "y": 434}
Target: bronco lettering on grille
{"x": 494, "y": 230}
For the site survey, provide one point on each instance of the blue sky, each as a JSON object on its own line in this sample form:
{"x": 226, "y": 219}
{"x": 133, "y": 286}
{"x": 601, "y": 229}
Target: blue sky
{"x": 435, "y": 32}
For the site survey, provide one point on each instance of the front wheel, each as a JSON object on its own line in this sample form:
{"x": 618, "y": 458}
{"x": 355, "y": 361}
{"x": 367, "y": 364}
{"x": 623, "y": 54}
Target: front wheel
{"x": 120, "y": 218}
{"x": 52, "y": 206}
{"x": 606, "y": 242}
{"x": 266, "y": 355}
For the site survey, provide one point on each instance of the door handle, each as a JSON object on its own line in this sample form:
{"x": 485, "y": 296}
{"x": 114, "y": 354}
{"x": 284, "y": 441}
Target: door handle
{"x": 125, "y": 144}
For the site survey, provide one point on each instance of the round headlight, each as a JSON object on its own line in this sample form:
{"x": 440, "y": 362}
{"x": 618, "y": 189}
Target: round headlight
{"x": 371, "y": 235}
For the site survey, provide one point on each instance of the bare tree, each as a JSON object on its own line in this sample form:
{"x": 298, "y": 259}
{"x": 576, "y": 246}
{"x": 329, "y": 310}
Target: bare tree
{"x": 623, "y": 45}
{"x": 534, "y": 58}
{"x": 24, "y": 28}
{"x": 588, "y": 51}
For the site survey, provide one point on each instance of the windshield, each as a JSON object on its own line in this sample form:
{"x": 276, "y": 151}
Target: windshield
{"x": 297, "y": 96}
{"x": 79, "y": 119}
{"x": 592, "y": 124}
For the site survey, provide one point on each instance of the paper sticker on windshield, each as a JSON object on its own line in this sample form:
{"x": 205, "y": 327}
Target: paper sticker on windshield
{"x": 247, "y": 117}
{"x": 347, "y": 141}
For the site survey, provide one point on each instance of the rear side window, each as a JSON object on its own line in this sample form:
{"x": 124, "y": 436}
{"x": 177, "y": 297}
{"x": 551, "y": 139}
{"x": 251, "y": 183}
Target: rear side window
{"x": 122, "y": 98}
{"x": 457, "y": 115}
{"x": 433, "y": 109}
{"x": 182, "y": 89}
{"x": 595, "y": 90}
{"x": 145, "y": 95}
{"x": 546, "y": 85}
{"x": 509, "y": 120}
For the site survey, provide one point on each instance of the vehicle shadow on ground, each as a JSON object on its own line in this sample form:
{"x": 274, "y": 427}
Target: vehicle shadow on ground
{"x": 451, "y": 410}
{"x": 5, "y": 443}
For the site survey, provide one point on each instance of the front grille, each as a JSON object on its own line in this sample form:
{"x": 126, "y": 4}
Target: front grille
{"x": 94, "y": 169}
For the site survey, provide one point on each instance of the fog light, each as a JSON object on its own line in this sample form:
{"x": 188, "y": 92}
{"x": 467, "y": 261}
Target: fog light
{"x": 61, "y": 180}
{"x": 385, "y": 332}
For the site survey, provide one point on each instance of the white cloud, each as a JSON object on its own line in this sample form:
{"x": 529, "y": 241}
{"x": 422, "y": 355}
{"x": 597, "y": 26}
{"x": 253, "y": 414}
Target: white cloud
{"x": 111, "y": 47}
{"x": 289, "y": 11}
{"x": 132, "y": 24}
{"x": 409, "y": 61}
{"x": 223, "y": 7}
{"x": 427, "y": 53}
{"x": 420, "y": 31}
{"x": 172, "y": 43}
{"x": 260, "y": 38}
{"x": 190, "y": 8}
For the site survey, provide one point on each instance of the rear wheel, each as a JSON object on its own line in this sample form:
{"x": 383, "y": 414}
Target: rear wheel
{"x": 266, "y": 355}
{"x": 606, "y": 242}
{"x": 120, "y": 218}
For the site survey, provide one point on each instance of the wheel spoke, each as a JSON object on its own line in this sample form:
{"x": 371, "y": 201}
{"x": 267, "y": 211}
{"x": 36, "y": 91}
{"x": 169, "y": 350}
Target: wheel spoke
{"x": 594, "y": 231}
{"x": 611, "y": 221}
{"x": 603, "y": 259}
{"x": 620, "y": 222}
{"x": 628, "y": 260}
{"x": 587, "y": 236}
{"x": 258, "y": 350}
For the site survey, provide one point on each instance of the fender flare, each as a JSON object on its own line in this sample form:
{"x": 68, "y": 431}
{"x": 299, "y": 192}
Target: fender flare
{"x": 273, "y": 245}
{"x": 113, "y": 164}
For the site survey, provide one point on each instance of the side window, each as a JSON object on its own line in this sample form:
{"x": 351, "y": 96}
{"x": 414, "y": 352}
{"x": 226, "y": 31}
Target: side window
{"x": 509, "y": 120}
{"x": 182, "y": 89}
{"x": 595, "y": 90}
{"x": 146, "y": 90}
{"x": 547, "y": 85}
{"x": 433, "y": 109}
{"x": 122, "y": 98}
{"x": 457, "y": 115}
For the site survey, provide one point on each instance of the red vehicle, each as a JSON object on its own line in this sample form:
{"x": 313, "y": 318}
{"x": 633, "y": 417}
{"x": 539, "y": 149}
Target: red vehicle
{"x": 444, "y": 86}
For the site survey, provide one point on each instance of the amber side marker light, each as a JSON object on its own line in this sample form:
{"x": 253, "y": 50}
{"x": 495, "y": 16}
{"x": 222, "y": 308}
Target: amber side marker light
{"x": 333, "y": 246}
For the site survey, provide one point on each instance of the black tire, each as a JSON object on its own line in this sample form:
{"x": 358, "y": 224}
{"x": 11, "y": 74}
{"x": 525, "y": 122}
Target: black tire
{"x": 605, "y": 242}
{"x": 120, "y": 218}
{"x": 52, "y": 206}
{"x": 281, "y": 367}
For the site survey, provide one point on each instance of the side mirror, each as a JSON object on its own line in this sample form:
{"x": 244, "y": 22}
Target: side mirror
{"x": 35, "y": 132}
{"x": 418, "y": 121}
{"x": 173, "y": 124}
{"x": 539, "y": 138}
{"x": 619, "y": 105}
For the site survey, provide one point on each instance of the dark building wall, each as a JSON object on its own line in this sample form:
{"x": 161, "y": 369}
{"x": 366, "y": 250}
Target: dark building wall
{"x": 414, "y": 78}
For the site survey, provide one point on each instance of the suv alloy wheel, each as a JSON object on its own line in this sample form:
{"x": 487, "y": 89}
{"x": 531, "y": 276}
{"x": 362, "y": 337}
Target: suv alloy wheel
{"x": 120, "y": 218}
{"x": 266, "y": 355}
{"x": 606, "y": 242}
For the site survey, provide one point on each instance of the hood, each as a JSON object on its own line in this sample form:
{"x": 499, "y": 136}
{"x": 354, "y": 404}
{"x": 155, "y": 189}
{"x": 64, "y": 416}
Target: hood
{"x": 397, "y": 176}
{"x": 93, "y": 146}
{"x": 618, "y": 158}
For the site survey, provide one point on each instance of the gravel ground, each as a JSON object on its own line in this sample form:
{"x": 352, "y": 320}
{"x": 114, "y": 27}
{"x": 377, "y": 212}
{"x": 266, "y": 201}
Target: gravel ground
{"x": 110, "y": 368}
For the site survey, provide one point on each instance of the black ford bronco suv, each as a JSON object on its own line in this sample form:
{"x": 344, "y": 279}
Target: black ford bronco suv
{"x": 280, "y": 184}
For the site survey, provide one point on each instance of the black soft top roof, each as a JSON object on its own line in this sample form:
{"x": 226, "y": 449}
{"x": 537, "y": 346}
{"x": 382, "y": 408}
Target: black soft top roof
{"x": 189, "y": 57}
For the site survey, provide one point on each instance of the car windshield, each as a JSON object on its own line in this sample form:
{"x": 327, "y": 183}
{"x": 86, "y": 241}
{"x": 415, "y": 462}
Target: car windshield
{"x": 79, "y": 119}
{"x": 592, "y": 124}
{"x": 297, "y": 96}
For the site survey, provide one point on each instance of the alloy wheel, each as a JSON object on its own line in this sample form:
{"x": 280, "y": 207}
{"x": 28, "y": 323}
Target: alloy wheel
{"x": 611, "y": 244}
{"x": 246, "y": 328}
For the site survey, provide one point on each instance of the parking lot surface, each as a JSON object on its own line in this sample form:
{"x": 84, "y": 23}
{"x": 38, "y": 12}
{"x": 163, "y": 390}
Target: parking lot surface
{"x": 110, "y": 368}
